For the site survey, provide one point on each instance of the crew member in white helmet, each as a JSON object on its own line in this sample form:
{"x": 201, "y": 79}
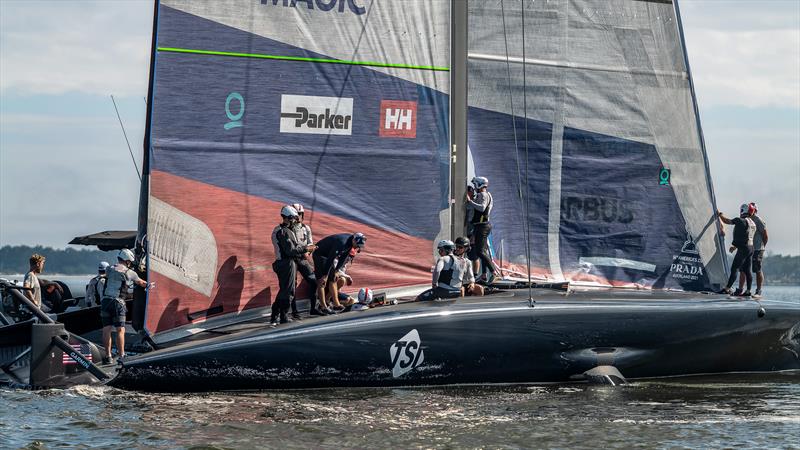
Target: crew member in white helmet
{"x": 304, "y": 236}
{"x": 479, "y": 208}
{"x": 289, "y": 251}
{"x": 447, "y": 275}
{"x": 743, "y": 231}
{"x": 112, "y": 306}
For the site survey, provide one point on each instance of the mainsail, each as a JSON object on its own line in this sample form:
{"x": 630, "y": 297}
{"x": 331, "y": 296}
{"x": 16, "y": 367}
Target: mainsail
{"x": 340, "y": 105}
{"x": 582, "y": 115}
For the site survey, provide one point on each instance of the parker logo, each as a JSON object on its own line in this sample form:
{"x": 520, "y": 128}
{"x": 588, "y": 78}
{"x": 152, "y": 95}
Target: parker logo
{"x": 322, "y": 5}
{"x": 406, "y": 353}
{"x": 398, "y": 119}
{"x": 316, "y": 115}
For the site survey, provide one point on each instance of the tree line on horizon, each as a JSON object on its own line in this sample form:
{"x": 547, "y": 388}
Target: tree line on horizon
{"x": 778, "y": 269}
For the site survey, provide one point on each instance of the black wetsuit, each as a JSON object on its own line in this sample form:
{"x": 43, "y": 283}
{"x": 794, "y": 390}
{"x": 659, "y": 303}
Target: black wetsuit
{"x": 332, "y": 254}
{"x": 286, "y": 268}
{"x": 743, "y": 230}
{"x": 481, "y": 227}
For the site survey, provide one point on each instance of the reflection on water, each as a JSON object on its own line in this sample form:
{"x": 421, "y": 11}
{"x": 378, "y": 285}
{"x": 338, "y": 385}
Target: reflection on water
{"x": 753, "y": 411}
{"x": 744, "y": 411}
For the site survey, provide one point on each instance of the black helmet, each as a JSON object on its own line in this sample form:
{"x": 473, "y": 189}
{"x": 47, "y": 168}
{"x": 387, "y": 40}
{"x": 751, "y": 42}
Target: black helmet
{"x": 462, "y": 242}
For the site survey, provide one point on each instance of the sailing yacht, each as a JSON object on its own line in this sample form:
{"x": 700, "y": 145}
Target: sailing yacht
{"x": 374, "y": 114}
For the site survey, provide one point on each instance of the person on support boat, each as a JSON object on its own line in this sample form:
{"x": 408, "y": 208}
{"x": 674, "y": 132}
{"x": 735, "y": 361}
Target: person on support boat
{"x": 469, "y": 287}
{"x": 759, "y": 243}
{"x": 447, "y": 274}
{"x": 743, "y": 231}
{"x": 332, "y": 255}
{"x": 479, "y": 207}
{"x": 94, "y": 290}
{"x": 112, "y": 306}
{"x": 304, "y": 236}
{"x": 289, "y": 250}
{"x": 31, "y": 280}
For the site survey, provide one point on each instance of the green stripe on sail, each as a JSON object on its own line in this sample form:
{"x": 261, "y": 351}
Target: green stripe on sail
{"x": 299, "y": 58}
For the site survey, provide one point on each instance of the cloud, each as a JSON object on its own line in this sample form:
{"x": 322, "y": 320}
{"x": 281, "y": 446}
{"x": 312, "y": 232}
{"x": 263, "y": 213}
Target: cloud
{"x": 52, "y": 47}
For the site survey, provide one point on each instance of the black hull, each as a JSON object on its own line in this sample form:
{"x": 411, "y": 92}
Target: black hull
{"x": 497, "y": 339}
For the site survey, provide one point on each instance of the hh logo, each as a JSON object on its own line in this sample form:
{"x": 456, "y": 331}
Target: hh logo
{"x": 398, "y": 119}
{"x": 406, "y": 353}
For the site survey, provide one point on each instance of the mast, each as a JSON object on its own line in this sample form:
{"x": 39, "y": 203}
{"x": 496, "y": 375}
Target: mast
{"x": 144, "y": 189}
{"x": 459, "y": 17}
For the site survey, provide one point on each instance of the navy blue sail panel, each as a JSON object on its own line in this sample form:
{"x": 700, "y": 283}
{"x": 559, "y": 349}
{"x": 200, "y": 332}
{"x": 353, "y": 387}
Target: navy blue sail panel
{"x": 491, "y": 143}
{"x": 238, "y": 123}
{"x": 620, "y": 219}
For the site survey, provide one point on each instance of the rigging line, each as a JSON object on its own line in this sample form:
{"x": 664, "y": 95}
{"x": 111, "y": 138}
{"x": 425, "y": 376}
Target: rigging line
{"x": 513, "y": 117}
{"x": 138, "y": 174}
{"x": 527, "y": 174}
{"x": 345, "y": 80}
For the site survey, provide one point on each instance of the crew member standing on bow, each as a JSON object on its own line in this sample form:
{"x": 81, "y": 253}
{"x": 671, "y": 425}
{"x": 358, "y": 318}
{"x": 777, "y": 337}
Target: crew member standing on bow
{"x": 743, "y": 231}
{"x": 289, "y": 251}
{"x": 759, "y": 243}
{"x": 304, "y": 236}
{"x": 479, "y": 206}
{"x": 332, "y": 255}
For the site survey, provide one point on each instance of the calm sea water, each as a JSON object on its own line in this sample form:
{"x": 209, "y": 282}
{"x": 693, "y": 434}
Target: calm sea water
{"x": 759, "y": 411}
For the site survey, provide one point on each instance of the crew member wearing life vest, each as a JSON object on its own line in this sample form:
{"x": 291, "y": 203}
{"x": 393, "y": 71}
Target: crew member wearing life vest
{"x": 304, "y": 236}
{"x": 479, "y": 208}
{"x": 94, "y": 290}
{"x": 289, "y": 250}
{"x": 447, "y": 275}
{"x": 120, "y": 280}
{"x": 743, "y": 231}
{"x": 468, "y": 285}
{"x": 759, "y": 243}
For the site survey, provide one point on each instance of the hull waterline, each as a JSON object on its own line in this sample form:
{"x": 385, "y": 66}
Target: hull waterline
{"x": 496, "y": 339}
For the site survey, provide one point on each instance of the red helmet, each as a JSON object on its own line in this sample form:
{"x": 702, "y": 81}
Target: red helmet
{"x": 753, "y": 208}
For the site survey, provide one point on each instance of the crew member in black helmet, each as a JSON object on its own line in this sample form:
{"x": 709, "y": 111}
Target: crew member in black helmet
{"x": 289, "y": 250}
{"x": 469, "y": 287}
{"x": 743, "y": 231}
{"x": 332, "y": 255}
{"x": 479, "y": 208}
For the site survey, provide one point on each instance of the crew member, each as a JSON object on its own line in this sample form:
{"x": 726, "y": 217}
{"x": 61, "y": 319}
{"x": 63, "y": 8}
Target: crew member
{"x": 332, "y": 255}
{"x": 743, "y": 231}
{"x": 304, "y": 236}
{"x": 94, "y": 290}
{"x": 31, "y": 280}
{"x": 289, "y": 251}
{"x": 759, "y": 243}
{"x": 479, "y": 206}
{"x": 468, "y": 282}
{"x": 447, "y": 275}
{"x": 112, "y": 306}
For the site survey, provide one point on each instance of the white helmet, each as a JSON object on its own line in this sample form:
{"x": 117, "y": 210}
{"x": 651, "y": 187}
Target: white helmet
{"x": 365, "y": 296}
{"x": 480, "y": 182}
{"x": 103, "y": 266}
{"x": 744, "y": 210}
{"x": 288, "y": 211}
{"x": 446, "y": 245}
{"x": 125, "y": 255}
{"x": 298, "y": 207}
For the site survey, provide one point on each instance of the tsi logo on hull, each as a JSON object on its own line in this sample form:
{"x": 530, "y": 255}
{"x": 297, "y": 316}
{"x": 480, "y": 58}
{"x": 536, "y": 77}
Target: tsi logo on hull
{"x": 406, "y": 353}
{"x": 316, "y": 115}
{"x": 398, "y": 119}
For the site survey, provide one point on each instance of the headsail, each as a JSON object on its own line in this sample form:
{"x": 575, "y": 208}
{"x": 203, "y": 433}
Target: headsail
{"x": 589, "y": 134}
{"x": 339, "y": 105}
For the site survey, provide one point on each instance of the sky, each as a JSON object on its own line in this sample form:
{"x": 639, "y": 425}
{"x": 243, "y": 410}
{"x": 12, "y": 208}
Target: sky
{"x": 65, "y": 169}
